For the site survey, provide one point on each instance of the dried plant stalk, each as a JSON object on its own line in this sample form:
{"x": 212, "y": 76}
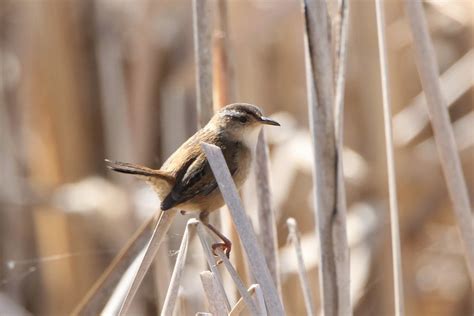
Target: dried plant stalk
{"x": 335, "y": 291}
{"x": 442, "y": 129}
{"x": 224, "y": 78}
{"x": 94, "y": 301}
{"x": 239, "y": 307}
{"x": 159, "y": 232}
{"x": 455, "y": 82}
{"x": 239, "y": 284}
{"x": 202, "y": 53}
{"x": 215, "y": 297}
{"x": 172, "y": 293}
{"x": 211, "y": 262}
{"x": 247, "y": 235}
{"x": 392, "y": 184}
{"x": 266, "y": 215}
{"x": 340, "y": 241}
{"x": 294, "y": 238}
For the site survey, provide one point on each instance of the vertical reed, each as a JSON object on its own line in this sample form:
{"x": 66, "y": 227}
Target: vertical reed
{"x": 392, "y": 184}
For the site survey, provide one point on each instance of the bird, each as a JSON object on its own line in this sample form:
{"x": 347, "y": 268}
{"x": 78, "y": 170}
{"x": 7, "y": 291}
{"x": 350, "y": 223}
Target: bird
{"x": 185, "y": 181}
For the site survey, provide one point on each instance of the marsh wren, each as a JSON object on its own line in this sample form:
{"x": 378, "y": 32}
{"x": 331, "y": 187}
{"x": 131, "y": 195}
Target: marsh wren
{"x": 186, "y": 182}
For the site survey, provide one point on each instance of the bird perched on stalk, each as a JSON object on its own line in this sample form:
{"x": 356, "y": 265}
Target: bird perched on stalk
{"x": 185, "y": 181}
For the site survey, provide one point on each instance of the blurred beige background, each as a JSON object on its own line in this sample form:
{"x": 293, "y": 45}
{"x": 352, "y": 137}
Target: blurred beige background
{"x": 84, "y": 80}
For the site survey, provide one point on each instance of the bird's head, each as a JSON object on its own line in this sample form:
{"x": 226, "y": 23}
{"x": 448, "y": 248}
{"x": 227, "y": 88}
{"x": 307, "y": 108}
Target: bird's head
{"x": 242, "y": 121}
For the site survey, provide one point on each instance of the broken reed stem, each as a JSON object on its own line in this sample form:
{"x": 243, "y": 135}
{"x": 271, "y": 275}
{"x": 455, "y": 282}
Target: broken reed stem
{"x": 335, "y": 295}
{"x": 239, "y": 307}
{"x": 294, "y": 238}
{"x": 172, "y": 293}
{"x": 96, "y": 298}
{"x": 442, "y": 129}
{"x": 202, "y": 31}
{"x": 158, "y": 235}
{"x": 215, "y": 298}
{"x": 239, "y": 284}
{"x": 340, "y": 226}
{"x": 266, "y": 215}
{"x": 217, "y": 285}
{"x": 255, "y": 257}
{"x": 392, "y": 184}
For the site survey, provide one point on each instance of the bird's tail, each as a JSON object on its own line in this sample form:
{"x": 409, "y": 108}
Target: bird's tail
{"x": 160, "y": 180}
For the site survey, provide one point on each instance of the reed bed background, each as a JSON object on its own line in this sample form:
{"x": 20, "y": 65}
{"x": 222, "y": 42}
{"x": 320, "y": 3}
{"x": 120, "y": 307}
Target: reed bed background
{"x": 81, "y": 81}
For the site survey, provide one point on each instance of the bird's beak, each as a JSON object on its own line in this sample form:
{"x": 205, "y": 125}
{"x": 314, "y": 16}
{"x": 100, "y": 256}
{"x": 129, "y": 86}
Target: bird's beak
{"x": 268, "y": 121}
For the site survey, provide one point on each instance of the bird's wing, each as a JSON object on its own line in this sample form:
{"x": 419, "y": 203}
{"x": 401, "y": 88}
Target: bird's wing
{"x": 196, "y": 177}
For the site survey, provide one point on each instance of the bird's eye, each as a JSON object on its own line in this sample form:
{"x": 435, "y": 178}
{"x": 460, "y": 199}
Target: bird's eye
{"x": 243, "y": 119}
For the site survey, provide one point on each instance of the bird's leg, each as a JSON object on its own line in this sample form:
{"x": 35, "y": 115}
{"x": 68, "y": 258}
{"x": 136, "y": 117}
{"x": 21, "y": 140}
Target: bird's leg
{"x": 226, "y": 245}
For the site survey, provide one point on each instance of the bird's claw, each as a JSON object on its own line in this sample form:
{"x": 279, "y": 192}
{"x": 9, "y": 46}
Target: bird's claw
{"x": 226, "y": 248}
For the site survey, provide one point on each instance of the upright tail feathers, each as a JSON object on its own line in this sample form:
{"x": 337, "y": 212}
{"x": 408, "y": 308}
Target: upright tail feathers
{"x": 141, "y": 171}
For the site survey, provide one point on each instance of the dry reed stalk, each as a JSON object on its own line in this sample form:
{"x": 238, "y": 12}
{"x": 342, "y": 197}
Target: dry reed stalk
{"x": 455, "y": 82}
{"x": 392, "y": 184}
{"x": 173, "y": 287}
{"x": 203, "y": 51}
{"x": 159, "y": 232}
{"x": 442, "y": 129}
{"x": 258, "y": 297}
{"x": 212, "y": 262}
{"x": 97, "y": 296}
{"x": 225, "y": 93}
{"x": 240, "y": 285}
{"x": 294, "y": 238}
{"x": 255, "y": 257}
{"x": 341, "y": 243}
{"x": 202, "y": 27}
{"x": 172, "y": 293}
{"x": 215, "y": 298}
{"x": 335, "y": 295}
{"x": 239, "y": 307}
{"x": 223, "y": 75}
{"x": 266, "y": 215}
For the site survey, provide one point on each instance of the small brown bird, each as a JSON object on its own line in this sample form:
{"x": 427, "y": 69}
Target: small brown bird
{"x": 186, "y": 182}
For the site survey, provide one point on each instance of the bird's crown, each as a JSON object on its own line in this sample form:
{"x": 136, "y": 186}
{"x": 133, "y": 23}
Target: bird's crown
{"x": 243, "y": 113}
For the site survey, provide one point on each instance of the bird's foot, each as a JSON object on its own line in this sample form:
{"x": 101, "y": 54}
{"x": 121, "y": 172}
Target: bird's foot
{"x": 226, "y": 247}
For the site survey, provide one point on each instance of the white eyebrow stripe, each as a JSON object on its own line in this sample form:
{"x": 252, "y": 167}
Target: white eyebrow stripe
{"x": 232, "y": 113}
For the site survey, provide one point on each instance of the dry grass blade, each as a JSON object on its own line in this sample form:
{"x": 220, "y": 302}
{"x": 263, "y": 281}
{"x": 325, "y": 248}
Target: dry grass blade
{"x": 202, "y": 53}
{"x": 215, "y": 298}
{"x": 240, "y": 285}
{"x": 247, "y": 235}
{"x": 443, "y": 132}
{"x": 266, "y": 216}
{"x": 172, "y": 294}
{"x": 101, "y": 291}
{"x": 294, "y": 238}
{"x": 392, "y": 184}
{"x": 157, "y": 237}
{"x": 331, "y": 233}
